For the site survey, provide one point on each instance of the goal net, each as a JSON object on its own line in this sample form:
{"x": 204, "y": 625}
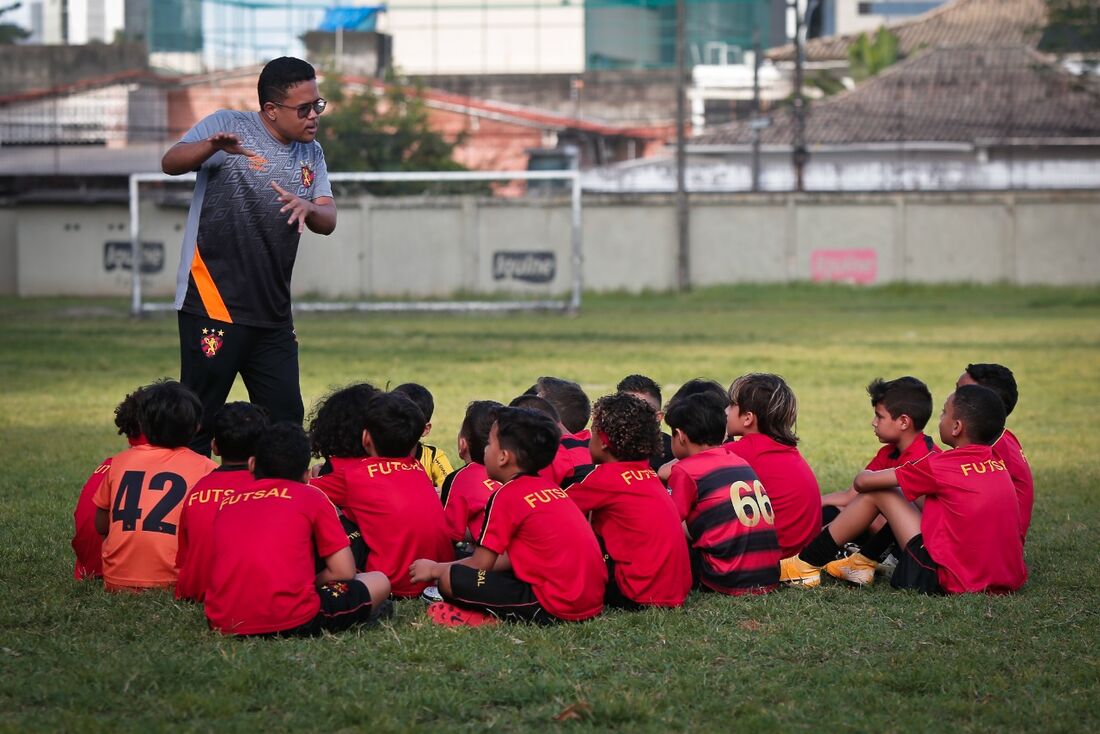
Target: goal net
{"x": 410, "y": 241}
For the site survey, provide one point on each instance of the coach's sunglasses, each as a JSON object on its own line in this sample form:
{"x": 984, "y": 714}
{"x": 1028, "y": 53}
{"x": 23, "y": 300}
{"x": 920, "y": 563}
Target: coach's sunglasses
{"x": 318, "y": 105}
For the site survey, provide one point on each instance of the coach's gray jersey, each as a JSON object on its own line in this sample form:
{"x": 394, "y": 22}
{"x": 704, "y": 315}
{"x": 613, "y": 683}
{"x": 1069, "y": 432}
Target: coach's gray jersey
{"x": 238, "y": 250}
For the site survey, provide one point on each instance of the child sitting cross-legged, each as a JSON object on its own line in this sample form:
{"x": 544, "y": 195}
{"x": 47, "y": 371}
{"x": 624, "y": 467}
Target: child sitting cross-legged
{"x": 966, "y": 538}
{"x": 537, "y": 559}
{"x": 466, "y": 491}
{"x": 266, "y": 538}
{"x": 237, "y": 428}
{"x": 631, "y": 512}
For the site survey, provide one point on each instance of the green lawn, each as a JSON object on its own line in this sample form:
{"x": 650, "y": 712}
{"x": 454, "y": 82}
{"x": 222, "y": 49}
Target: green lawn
{"x": 830, "y": 659}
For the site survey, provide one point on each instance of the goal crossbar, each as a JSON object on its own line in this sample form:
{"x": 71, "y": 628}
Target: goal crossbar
{"x": 571, "y": 305}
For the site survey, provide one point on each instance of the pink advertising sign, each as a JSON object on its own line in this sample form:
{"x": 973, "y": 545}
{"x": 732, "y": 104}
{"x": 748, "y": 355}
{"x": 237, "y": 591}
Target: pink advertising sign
{"x": 844, "y": 266}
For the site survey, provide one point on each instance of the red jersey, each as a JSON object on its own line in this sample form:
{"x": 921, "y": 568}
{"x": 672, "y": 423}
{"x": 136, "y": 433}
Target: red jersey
{"x": 464, "y": 495}
{"x": 791, "y": 486}
{"x": 550, "y": 545}
{"x": 266, "y": 537}
{"x": 730, "y": 519}
{"x": 1007, "y": 448}
{"x": 143, "y": 490}
{"x": 87, "y": 542}
{"x": 195, "y": 556}
{"x": 971, "y": 520}
{"x": 395, "y": 506}
{"x": 572, "y": 452}
{"x": 889, "y": 457}
{"x": 632, "y": 512}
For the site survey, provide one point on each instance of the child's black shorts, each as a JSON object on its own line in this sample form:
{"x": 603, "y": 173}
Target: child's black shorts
{"x": 916, "y": 570}
{"x": 499, "y": 593}
{"x": 343, "y": 605}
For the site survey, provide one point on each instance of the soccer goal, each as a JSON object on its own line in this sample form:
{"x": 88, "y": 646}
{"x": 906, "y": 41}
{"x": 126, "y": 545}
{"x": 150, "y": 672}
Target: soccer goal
{"x": 517, "y": 228}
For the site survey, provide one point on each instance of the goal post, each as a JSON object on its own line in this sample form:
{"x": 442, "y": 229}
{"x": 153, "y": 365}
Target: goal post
{"x": 571, "y": 304}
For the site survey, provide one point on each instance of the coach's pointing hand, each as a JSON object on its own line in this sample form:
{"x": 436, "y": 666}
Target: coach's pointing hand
{"x": 299, "y": 208}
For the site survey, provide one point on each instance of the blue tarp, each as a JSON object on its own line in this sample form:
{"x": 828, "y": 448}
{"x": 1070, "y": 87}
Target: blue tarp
{"x": 362, "y": 18}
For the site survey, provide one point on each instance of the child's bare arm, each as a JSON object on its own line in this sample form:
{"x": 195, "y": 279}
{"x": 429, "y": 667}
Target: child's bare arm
{"x": 102, "y": 521}
{"x": 425, "y": 570}
{"x": 839, "y": 499}
{"x": 340, "y": 566}
{"x": 872, "y": 481}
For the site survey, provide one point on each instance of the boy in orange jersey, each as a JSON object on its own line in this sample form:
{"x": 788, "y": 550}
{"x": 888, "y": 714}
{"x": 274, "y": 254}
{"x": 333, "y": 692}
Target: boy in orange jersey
{"x": 266, "y": 537}
{"x": 140, "y": 499}
{"x": 537, "y": 559}
{"x": 466, "y": 491}
{"x": 237, "y": 428}
{"x": 966, "y": 538}
{"x": 432, "y": 458}
{"x": 631, "y": 512}
{"x": 87, "y": 542}
{"x": 1000, "y": 380}
{"x": 388, "y": 494}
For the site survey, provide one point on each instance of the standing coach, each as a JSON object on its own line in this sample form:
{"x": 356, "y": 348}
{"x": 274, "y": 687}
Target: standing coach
{"x": 261, "y": 181}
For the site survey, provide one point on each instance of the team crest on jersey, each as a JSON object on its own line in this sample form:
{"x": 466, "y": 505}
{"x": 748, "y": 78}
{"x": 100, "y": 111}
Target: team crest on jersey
{"x": 307, "y": 175}
{"x": 211, "y": 341}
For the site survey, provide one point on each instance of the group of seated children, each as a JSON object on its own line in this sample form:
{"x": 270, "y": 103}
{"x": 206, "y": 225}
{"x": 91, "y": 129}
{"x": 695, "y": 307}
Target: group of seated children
{"x": 550, "y": 518}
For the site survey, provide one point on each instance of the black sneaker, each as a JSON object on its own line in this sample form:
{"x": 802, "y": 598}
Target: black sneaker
{"x": 381, "y": 612}
{"x": 431, "y": 595}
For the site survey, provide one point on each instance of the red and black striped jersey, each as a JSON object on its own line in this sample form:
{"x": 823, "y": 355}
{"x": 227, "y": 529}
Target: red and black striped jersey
{"x": 729, "y": 519}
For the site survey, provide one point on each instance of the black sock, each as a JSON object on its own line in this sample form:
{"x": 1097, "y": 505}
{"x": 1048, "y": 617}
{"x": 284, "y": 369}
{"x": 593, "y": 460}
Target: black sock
{"x": 821, "y": 549}
{"x": 880, "y": 542}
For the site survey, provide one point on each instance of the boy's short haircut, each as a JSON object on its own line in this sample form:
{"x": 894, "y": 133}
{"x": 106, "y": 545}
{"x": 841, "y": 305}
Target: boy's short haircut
{"x": 903, "y": 396}
{"x": 170, "y": 414}
{"x": 534, "y": 402}
{"x": 237, "y": 428}
{"x": 698, "y": 386}
{"x": 394, "y": 423}
{"x": 982, "y": 411}
{"x": 336, "y": 426}
{"x": 701, "y": 416}
{"x": 128, "y": 415}
{"x": 533, "y": 437}
{"x": 568, "y": 399}
{"x": 419, "y": 395}
{"x": 771, "y": 400}
{"x": 476, "y": 426}
{"x": 640, "y": 384}
{"x": 999, "y": 379}
{"x": 279, "y": 75}
{"x": 282, "y": 452}
{"x": 628, "y": 425}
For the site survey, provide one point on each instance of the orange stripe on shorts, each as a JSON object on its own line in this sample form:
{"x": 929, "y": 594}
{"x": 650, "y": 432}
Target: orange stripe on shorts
{"x": 208, "y": 292}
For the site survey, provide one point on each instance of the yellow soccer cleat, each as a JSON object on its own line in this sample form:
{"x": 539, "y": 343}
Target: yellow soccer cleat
{"x": 797, "y": 572}
{"x": 856, "y": 568}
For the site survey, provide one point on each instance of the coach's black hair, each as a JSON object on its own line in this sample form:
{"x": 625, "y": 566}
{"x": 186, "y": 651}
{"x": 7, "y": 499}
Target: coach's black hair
{"x": 982, "y": 412}
{"x": 999, "y": 379}
{"x": 533, "y": 437}
{"x": 568, "y": 399}
{"x": 281, "y": 74}
{"x": 476, "y": 426}
{"x": 701, "y": 416}
{"x": 419, "y": 395}
{"x": 170, "y": 414}
{"x": 128, "y": 415}
{"x": 534, "y": 402}
{"x": 903, "y": 396}
{"x": 697, "y": 386}
{"x": 640, "y": 384}
{"x": 282, "y": 452}
{"x": 630, "y": 426}
{"x": 336, "y": 426}
{"x": 394, "y": 423}
{"x": 237, "y": 428}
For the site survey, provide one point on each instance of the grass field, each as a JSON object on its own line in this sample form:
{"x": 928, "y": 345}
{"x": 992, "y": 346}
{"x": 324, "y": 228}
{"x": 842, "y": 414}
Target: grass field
{"x": 831, "y": 659}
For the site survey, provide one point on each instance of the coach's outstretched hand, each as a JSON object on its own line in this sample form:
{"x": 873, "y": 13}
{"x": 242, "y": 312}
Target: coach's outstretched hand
{"x": 230, "y": 143}
{"x": 298, "y": 207}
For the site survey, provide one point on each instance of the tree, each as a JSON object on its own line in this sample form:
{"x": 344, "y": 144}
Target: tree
{"x": 384, "y": 132}
{"x": 867, "y": 57}
{"x": 10, "y": 32}
{"x": 1073, "y": 26}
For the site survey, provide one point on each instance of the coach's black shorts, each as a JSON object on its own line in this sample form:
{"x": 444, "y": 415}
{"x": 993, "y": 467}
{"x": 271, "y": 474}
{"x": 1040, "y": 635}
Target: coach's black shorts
{"x": 344, "y": 604}
{"x": 916, "y": 570}
{"x": 499, "y": 593}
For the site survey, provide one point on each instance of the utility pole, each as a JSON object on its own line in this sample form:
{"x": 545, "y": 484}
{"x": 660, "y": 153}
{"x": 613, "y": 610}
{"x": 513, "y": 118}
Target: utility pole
{"x": 683, "y": 278}
{"x": 756, "y": 121}
{"x": 800, "y": 155}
